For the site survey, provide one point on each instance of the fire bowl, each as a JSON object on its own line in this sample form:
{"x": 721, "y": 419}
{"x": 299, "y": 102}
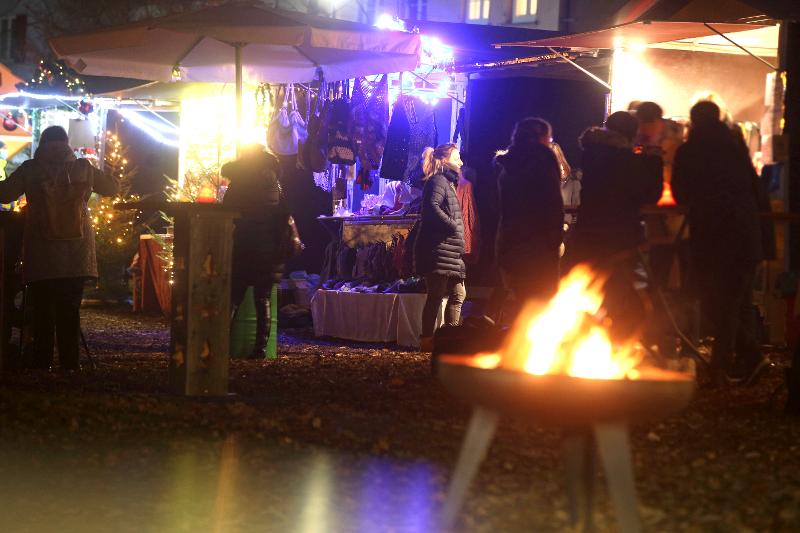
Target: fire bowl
{"x": 565, "y": 401}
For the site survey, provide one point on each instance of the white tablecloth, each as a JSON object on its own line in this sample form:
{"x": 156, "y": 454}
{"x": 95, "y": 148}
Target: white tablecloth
{"x": 369, "y": 317}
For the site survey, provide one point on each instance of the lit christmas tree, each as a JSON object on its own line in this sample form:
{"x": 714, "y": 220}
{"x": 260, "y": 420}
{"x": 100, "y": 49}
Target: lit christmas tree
{"x": 116, "y": 232}
{"x": 55, "y": 78}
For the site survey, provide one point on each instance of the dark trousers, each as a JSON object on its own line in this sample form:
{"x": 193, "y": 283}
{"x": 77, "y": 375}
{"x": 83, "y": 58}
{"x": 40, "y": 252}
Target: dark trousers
{"x": 56, "y": 319}
{"x": 262, "y": 288}
{"x": 440, "y": 287}
{"x": 726, "y": 303}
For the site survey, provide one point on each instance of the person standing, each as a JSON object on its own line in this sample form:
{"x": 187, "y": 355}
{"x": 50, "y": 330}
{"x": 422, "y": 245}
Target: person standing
{"x": 714, "y": 177}
{"x": 615, "y": 184}
{"x": 439, "y": 245}
{"x": 58, "y": 241}
{"x": 255, "y": 192}
{"x": 531, "y": 212}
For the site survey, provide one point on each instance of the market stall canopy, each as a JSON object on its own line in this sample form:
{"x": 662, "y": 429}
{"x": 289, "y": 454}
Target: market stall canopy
{"x": 172, "y": 91}
{"x": 708, "y": 10}
{"x": 712, "y": 11}
{"x": 26, "y": 100}
{"x": 8, "y": 81}
{"x": 277, "y": 46}
{"x": 474, "y": 43}
{"x": 636, "y": 33}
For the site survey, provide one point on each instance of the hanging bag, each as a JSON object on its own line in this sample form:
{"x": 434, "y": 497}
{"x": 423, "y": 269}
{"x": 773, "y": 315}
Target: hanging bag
{"x": 290, "y": 244}
{"x": 280, "y": 134}
{"x": 297, "y": 123}
{"x": 314, "y": 151}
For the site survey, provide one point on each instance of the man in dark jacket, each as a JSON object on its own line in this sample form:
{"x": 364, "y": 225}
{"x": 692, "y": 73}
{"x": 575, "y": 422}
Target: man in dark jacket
{"x": 531, "y": 212}
{"x": 714, "y": 177}
{"x": 59, "y": 241}
{"x": 255, "y": 192}
{"x": 616, "y": 183}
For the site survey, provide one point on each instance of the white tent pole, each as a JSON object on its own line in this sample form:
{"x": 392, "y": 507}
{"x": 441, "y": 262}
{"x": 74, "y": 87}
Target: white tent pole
{"x": 239, "y": 82}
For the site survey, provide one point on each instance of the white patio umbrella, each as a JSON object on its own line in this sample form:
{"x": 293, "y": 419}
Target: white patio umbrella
{"x": 240, "y": 43}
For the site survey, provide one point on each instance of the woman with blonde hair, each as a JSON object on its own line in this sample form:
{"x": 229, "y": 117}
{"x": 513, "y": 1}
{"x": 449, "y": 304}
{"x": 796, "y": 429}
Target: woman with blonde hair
{"x": 439, "y": 245}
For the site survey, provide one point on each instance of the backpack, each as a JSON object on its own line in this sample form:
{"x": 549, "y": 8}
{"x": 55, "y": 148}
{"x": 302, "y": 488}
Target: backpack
{"x": 62, "y": 218}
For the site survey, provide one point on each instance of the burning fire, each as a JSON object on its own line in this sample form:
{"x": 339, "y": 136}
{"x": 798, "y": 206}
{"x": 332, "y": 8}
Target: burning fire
{"x": 567, "y": 336}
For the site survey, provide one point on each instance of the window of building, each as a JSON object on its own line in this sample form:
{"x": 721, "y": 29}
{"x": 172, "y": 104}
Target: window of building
{"x": 12, "y": 38}
{"x": 525, "y": 10}
{"x": 478, "y": 10}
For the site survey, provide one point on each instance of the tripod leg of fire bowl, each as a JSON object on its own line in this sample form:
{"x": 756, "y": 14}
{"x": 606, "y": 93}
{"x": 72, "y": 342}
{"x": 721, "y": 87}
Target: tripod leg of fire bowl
{"x": 614, "y": 449}
{"x": 579, "y": 459}
{"x": 479, "y": 435}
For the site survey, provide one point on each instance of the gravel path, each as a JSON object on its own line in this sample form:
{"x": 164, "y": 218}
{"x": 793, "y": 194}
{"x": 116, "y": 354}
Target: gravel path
{"x": 339, "y": 437}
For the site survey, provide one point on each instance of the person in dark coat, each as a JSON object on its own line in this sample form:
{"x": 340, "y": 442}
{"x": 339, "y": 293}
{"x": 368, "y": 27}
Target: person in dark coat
{"x": 58, "y": 242}
{"x": 531, "y": 212}
{"x": 255, "y": 191}
{"x": 714, "y": 177}
{"x": 439, "y": 245}
{"x": 616, "y": 183}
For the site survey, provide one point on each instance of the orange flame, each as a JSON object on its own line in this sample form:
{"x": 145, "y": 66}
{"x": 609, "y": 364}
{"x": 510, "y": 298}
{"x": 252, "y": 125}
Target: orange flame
{"x": 567, "y": 335}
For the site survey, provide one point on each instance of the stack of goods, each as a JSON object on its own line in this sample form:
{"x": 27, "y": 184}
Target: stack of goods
{"x": 372, "y": 268}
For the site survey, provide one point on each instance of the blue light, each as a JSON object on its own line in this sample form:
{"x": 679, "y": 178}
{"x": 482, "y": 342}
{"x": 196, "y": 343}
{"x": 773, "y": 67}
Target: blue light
{"x": 389, "y": 22}
{"x": 155, "y": 129}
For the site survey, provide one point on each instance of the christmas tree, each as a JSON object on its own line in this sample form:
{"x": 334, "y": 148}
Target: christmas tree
{"x": 54, "y": 77}
{"x": 116, "y": 232}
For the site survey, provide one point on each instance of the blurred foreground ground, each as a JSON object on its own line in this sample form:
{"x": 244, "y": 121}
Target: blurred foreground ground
{"x": 333, "y": 437}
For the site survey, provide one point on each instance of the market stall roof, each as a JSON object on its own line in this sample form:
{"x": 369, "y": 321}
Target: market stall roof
{"x": 708, "y": 10}
{"x": 276, "y": 46}
{"x": 8, "y": 81}
{"x": 733, "y": 11}
{"x": 172, "y": 91}
{"x": 27, "y": 100}
{"x": 474, "y": 43}
{"x": 636, "y": 33}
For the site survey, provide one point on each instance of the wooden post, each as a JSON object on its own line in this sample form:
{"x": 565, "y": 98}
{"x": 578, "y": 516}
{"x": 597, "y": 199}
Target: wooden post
{"x": 201, "y": 301}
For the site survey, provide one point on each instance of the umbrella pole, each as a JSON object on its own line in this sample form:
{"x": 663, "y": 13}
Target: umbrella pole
{"x": 239, "y": 83}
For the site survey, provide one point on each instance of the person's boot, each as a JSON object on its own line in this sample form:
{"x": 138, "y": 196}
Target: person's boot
{"x": 262, "y": 329}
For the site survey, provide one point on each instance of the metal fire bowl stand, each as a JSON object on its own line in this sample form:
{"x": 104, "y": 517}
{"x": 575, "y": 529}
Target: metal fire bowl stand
{"x": 591, "y": 412}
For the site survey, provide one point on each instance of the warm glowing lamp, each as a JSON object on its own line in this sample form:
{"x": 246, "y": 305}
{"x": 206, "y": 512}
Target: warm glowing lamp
{"x": 666, "y": 195}
{"x": 207, "y": 195}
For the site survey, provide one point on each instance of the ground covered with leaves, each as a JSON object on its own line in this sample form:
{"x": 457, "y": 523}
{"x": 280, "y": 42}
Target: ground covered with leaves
{"x": 339, "y": 437}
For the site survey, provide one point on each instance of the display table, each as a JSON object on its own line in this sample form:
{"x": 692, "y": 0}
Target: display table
{"x": 395, "y": 318}
{"x": 367, "y": 229}
{"x": 201, "y": 295}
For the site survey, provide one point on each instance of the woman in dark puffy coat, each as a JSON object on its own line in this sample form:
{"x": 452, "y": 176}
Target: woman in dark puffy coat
{"x": 439, "y": 246}
{"x": 255, "y": 191}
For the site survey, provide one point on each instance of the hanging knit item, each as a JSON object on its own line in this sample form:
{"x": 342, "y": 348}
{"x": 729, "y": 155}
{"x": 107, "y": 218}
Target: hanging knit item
{"x": 341, "y": 150}
{"x": 395, "y": 153}
{"x": 370, "y": 122}
{"x": 323, "y": 180}
{"x": 422, "y": 127}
